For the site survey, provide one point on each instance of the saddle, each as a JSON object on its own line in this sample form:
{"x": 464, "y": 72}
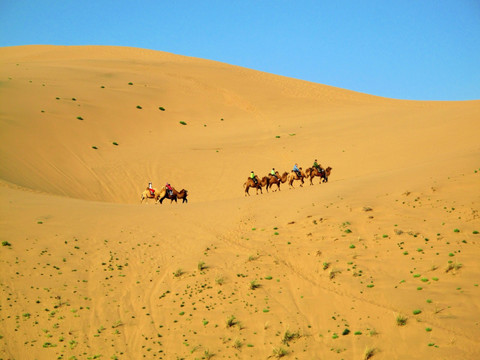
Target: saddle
{"x": 152, "y": 192}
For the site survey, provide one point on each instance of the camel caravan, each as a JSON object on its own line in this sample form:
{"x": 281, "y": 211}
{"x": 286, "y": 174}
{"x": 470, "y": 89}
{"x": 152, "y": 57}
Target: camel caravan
{"x": 166, "y": 192}
{"x": 297, "y": 174}
{"x": 253, "y": 181}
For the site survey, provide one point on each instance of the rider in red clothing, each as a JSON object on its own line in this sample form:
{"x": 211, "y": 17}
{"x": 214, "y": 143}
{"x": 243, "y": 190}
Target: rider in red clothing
{"x": 151, "y": 189}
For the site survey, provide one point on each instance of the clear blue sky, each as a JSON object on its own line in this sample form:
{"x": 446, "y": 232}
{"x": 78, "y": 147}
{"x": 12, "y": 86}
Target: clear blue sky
{"x": 406, "y": 49}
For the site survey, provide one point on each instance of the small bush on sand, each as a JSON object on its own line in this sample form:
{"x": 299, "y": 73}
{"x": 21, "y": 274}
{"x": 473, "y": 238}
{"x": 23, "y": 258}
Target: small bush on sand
{"x": 178, "y": 273}
{"x": 254, "y": 285}
{"x": 401, "y": 320}
{"x": 279, "y": 352}
{"x": 289, "y": 336}
{"x": 369, "y": 352}
{"x": 231, "y": 321}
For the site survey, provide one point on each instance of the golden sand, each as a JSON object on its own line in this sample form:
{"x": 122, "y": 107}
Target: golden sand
{"x": 323, "y": 271}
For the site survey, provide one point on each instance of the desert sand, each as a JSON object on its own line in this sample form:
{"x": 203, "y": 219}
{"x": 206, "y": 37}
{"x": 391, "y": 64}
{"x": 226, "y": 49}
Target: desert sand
{"x": 380, "y": 262}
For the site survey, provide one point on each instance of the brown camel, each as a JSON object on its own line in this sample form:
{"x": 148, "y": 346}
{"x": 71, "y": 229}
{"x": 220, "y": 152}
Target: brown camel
{"x": 147, "y": 195}
{"x": 277, "y": 180}
{"x": 312, "y": 172}
{"x": 258, "y": 186}
{"x": 164, "y": 194}
{"x": 294, "y": 176}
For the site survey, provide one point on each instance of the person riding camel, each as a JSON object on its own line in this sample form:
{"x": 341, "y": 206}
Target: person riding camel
{"x": 151, "y": 189}
{"x": 273, "y": 173}
{"x": 253, "y": 177}
{"x": 169, "y": 188}
{"x": 297, "y": 170}
{"x": 318, "y": 167}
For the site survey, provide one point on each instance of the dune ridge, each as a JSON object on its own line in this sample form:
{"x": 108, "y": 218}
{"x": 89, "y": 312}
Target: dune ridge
{"x": 321, "y": 271}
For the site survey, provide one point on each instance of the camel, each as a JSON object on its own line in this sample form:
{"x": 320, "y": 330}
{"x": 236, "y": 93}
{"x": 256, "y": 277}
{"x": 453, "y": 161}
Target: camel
{"x": 312, "y": 172}
{"x": 294, "y": 176}
{"x": 251, "y": 184}
{"x": 147, "y": 195}
{"x": 277, "y": 180}
{"x": 164, "y": 194}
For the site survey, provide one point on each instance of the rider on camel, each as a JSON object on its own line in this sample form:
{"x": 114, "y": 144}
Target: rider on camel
{"x": 169, "y": 188}
{"x": 253, "y": 177}
{"x": 318, "y": 167}
{"x": 273, "y": 173}
{"x": 297, "y": 170}
{"x": 151, "y": 189}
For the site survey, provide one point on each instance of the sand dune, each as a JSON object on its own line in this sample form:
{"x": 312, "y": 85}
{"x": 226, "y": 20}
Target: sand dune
{"x": 323, "y": 271}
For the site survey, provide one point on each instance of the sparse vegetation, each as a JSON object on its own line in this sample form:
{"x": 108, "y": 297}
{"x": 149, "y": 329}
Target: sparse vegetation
{"x": 207, "y": 354}
{"x": 279, "y": 352}
{"x": 289, "y": 336}
{"x": 183, "y": 123}
{"x": 368, "y": 353}
{"x": 178, "y": 273}
{"x": 453, "y": 266}
{"x": 254, "y": 285}
{"x": 231, "y": 321}
{"x": 333, "y": 273}
{"x": 401, "y": 320}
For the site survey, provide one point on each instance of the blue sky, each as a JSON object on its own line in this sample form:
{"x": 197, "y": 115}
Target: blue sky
{"x": 405, "y": 49}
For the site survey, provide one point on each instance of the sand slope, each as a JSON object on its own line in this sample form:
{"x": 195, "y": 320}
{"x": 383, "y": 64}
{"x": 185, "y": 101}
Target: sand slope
{"x": 88, "y": 272}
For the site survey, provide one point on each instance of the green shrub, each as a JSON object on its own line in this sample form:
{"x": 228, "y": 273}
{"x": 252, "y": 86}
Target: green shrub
{"x": 401, "y": 320}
